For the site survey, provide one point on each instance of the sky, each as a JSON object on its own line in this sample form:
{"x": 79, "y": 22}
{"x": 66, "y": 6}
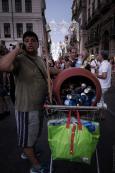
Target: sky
{"x": 58, "y": 14}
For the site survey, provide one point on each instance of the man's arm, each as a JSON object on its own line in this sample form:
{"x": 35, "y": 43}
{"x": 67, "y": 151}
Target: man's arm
{"x": 102, "y": 76}
{"x": 6, "y": 62}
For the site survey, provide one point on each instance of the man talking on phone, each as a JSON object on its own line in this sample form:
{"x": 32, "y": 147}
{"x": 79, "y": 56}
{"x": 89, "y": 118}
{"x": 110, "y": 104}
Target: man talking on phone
{"x": 30, "y": 93}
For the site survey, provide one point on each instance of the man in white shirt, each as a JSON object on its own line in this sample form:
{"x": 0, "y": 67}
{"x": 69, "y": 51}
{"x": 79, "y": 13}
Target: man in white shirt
{"x": 104, "y": 75}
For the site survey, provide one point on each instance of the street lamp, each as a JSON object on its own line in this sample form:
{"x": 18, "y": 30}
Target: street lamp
{"x": 12, "y": 19}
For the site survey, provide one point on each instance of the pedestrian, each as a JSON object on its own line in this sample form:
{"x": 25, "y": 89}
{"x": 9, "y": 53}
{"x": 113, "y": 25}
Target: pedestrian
{"x": 112, "y": 62}
{"x": 86, "y": 60}
{"x": 4, "y": 87}
{"x": 104, "y": 75}
{"x": 30, "y": 93}
{"x": 94, "y": 64}
{"x": 79, "y": 62}
{"x": 73, "y": 56}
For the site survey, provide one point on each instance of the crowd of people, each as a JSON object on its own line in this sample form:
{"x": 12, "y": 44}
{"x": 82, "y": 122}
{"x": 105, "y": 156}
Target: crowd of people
{"x": 31, "y": 86}
{"x": 6, "y": 86}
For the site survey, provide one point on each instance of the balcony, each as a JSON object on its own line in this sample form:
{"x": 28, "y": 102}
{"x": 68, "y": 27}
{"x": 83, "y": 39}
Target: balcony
{"x": 93, "y": 19}
{"x": 95, "y": 15}
{"x": 92, "y": 42}
{"x": 105, "y": 6}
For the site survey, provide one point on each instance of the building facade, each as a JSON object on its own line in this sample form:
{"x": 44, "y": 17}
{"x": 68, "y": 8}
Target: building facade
{"x": 79, "y": 15}
{"x": 18, "y": 16}
{"x": 97, "y": 25}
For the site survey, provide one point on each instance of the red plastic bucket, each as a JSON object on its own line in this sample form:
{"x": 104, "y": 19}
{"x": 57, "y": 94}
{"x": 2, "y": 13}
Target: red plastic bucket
{"x": 75, "y": 75}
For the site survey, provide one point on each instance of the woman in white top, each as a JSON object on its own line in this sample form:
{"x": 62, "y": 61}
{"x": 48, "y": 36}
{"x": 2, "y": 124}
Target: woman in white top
{"x": 94, "y": 64}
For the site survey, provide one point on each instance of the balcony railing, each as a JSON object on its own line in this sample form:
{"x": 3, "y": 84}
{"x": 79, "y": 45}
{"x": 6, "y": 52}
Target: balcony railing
{"x": 92, "y": 42}
{"x": 105, "y": 5}
{"x": 92, "y": 19}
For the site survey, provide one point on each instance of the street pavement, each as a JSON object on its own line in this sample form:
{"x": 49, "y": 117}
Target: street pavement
{"x": 11, "y": 162}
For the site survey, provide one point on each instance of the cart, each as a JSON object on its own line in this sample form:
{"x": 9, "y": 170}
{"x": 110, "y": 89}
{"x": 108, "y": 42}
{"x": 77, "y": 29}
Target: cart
{"x": 69, "y": 81}
{"x": 90, "y": 113}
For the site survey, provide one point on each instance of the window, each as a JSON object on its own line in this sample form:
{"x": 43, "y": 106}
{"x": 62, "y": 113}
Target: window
{"x": 97, "y": 50}
{"x": 18, "y": 5}
{"x": 93, "y": 7}
{"x": 5, "y": 6}
{"x": 92, "y": 52}
{"x": 98, "y": 3}
{"x": 28, "y": 6}
{"x": 7, "y": 33}
{"x": 29, "y": 27}
{"x": 19, "y": 27}
{"x": 88, "y": 13}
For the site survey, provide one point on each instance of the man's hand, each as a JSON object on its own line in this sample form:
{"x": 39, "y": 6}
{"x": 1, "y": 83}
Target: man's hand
{"x": 19, "y": 47}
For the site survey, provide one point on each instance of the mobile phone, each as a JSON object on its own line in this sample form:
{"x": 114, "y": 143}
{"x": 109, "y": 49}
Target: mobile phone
{"x": 22, "y": 46}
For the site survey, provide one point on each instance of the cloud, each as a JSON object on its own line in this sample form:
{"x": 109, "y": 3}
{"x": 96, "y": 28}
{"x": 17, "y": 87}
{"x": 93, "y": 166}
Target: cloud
{"x": 55, "y": 49}
{"x": 63, "y": 30}
{"x": 53, "y": 25}
{"x": 57, "y": 29}
{"x": 61, "y": 27}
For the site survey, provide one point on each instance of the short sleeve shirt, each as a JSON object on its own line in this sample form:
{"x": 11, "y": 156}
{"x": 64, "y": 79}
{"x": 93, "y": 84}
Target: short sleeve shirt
{"x": 31, "y": 85}
{"x": 105, "y": 67}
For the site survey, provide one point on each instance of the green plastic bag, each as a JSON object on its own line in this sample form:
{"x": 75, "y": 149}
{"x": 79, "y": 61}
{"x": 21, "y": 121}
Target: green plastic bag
{"x": 72, "y": 142}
